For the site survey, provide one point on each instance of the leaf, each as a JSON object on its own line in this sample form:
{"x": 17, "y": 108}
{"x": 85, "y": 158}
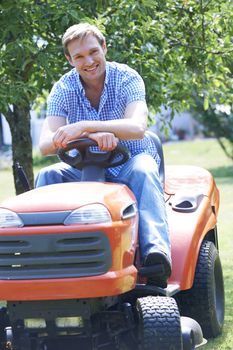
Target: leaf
{"x": 206, "y": 103}
{"x": 216, "y": 83}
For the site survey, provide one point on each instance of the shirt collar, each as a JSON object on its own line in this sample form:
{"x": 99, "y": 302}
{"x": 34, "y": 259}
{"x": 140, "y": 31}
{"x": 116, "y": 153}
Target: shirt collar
{"x": 80, "y": 85}
{"x": 107, "y": 73}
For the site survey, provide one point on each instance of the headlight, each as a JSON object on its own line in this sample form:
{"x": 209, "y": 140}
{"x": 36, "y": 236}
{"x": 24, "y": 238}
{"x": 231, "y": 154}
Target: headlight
{"x": 9, "y": 219}
{"x": 69, "y": 322}
{"x": 34, "y": 323}
{"x": 89, "y": 214}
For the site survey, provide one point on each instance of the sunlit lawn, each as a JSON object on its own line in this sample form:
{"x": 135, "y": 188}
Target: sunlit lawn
{"x": 207, "y": 154}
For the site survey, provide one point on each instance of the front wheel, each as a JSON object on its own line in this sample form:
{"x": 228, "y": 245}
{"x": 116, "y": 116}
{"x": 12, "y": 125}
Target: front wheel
{"x": 205, "y": 300}
{"x": 4, "y": 322}
{"x": 159, "y": 325}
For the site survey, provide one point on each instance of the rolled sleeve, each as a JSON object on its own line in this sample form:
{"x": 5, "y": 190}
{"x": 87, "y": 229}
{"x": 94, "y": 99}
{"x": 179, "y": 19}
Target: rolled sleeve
{"x": 55, "y": 103}
{"x": 134, "y": 88}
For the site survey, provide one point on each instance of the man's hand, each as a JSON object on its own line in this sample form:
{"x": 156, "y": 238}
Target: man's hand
{"x": 67, "y": 133}
{"x": 107, "y": 141}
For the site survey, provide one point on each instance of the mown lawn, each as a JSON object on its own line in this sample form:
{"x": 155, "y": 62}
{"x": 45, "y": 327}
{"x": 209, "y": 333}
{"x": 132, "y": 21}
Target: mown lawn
{"x": 207, "y": 154}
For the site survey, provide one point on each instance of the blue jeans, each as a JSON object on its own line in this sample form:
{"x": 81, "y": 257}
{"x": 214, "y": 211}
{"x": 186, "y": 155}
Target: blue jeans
{"x": 140, "y": 174}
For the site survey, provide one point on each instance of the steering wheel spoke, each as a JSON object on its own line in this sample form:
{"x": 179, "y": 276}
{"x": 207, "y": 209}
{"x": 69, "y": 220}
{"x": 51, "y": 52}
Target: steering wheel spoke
{"x": 85, "y": 155}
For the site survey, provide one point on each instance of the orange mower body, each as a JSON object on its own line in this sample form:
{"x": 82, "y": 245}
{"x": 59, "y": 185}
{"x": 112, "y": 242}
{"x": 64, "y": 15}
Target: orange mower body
{"x": 70, "y": 267}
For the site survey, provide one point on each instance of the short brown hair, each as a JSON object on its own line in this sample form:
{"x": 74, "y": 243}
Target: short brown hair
{"x": 80, "y": 31}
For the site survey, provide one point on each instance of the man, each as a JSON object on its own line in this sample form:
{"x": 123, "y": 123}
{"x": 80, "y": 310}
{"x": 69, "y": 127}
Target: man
{"x": 105, "y": 101}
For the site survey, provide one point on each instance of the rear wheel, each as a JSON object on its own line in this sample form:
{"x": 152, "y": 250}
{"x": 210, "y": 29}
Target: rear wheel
{"x": 205, "y": 300}
{"x": 158, "y": 324}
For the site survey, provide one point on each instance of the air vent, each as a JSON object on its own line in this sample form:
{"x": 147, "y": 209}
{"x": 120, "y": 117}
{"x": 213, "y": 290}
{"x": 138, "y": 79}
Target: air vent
{"x": 129, "y": 211}
{"x": 54, "y": 256}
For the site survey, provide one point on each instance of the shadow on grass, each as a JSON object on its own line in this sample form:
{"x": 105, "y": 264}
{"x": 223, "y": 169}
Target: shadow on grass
{"x": 222, "y": 171}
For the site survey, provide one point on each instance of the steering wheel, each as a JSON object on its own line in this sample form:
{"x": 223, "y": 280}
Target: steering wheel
{"x": 87, "y": 156}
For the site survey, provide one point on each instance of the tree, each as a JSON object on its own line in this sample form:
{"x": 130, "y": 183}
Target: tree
{"x": 31, "y": 59}
{"x": 217, "y": 122}
{"x": 181, "y": 48}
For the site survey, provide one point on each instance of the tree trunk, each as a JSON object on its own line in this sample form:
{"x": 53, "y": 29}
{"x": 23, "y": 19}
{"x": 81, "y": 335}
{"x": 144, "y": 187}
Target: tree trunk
{"x": 228, "y": 151}
{"x": 19, "y": 121}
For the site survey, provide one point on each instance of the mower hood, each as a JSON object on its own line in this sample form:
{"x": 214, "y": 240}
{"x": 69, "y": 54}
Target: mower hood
{"x": 70, "y": 196}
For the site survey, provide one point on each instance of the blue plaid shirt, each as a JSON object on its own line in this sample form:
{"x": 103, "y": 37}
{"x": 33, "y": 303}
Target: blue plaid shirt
{"x": 122, "y": 86}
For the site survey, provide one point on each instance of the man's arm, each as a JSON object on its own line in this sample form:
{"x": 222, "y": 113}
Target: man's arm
{"x": 131, "y": 127}
{"x": 106, "y": 141}
{"x": 50, "y": 126}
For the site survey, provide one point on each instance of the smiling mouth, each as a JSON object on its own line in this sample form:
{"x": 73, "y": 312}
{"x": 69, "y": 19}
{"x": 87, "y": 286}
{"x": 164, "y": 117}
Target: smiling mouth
{"x": 91, "y": 69}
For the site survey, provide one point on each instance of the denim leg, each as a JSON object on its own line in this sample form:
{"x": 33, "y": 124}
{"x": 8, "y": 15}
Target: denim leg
{"x": 140, "y": 174}
{"x": 57, "y": 173}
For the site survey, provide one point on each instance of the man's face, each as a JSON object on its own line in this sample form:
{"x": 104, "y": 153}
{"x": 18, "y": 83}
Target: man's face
{"x": 88, "y": 57}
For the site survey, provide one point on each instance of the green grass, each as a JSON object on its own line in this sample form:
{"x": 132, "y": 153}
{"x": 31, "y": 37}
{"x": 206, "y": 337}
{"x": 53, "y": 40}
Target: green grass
{"x": 207, "y": 154}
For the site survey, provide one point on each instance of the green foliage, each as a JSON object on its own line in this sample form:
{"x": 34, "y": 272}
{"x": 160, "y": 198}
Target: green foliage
{"x": 40, "y": 161}
{"x": 182, "y": 48}
{"x": 30, "y": 49}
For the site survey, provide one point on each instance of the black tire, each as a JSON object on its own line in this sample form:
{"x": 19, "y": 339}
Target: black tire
{"x": 9, "y": 341}
{"x": 205, "y": 300}
{"x": 4, "y": 322}
{"x": 158, "y": 324}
